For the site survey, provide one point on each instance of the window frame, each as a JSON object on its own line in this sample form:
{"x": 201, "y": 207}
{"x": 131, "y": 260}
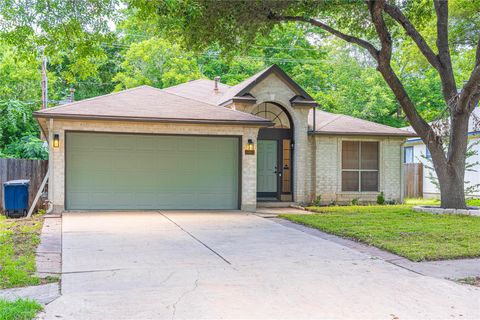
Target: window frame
{"x": 405, "y": 154}
{"x": 360, "y": 170}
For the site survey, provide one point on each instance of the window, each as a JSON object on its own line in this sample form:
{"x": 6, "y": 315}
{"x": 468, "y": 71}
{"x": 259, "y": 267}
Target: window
{"x": 428, "y": 155}
{"x": 286, "y": 176}
{"x": 408, "y": 155}
{"x": 359, "y": 166}
{"x": 274, "y": 113}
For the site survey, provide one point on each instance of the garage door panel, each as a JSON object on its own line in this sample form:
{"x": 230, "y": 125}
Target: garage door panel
{"x": 151, "y": 172}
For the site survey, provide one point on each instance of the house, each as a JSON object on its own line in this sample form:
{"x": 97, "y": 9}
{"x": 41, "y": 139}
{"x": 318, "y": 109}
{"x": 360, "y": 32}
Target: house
{"x": 415, "y": 151}
{"x": 207, "y": 145}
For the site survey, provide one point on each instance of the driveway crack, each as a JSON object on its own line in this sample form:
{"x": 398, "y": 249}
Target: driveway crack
{"x": 195, "y": 238}
{"x": 195, "y": 286}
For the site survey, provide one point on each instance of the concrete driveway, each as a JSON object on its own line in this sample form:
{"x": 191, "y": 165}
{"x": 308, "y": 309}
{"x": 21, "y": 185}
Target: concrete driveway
{"x": 231, "y": 265}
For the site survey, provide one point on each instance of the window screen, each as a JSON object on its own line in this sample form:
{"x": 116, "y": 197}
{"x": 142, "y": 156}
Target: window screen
{"x": 360, "y": 166}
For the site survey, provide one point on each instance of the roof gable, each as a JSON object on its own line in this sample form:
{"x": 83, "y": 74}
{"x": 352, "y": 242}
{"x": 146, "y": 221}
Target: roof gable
{"x": 244, "y": 87}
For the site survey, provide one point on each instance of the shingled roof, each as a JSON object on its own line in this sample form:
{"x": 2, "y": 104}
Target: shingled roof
{"x": 146, "y": 103}
{"x": 339, "y": 124}
{"x": 197, "y": 102}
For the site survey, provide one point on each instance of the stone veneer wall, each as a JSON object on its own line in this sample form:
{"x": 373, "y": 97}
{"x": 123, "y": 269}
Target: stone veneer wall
{"x": 57, "y": 155}
{"x": 273, "y": 89}
{"x": 326, "y": 171}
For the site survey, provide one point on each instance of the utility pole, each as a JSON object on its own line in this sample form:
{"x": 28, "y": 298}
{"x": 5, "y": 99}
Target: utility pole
{"x": 44, "y": 79}
{"x": 44, "y": 85}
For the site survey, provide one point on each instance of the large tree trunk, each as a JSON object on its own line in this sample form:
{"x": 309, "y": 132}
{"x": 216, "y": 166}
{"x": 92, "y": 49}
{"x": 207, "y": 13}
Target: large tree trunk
{"x": 452, "y": 194}
{"x": 451, "y": 175}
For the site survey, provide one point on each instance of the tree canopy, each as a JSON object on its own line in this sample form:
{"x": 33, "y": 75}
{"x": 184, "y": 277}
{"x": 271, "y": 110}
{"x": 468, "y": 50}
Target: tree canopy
{"x": 390, "y": 61}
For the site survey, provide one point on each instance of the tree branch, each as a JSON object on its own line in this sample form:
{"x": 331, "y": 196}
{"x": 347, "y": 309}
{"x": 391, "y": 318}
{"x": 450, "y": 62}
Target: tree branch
{"x": 477, "y": 53}
{"x": 424, "y": 130}
{"x": 397, "y": 15}
{"x": 445, "y": 69}
{"x": 376, "y": 9}
{"x": 349, "y": 38}
{"x": 470, "y": 90}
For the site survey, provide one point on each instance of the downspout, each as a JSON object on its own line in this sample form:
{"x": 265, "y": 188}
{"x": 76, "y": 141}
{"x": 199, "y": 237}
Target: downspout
{"x": 50, "y": 161}
{"x": 314, "y": 120}
{"x": 402, "y": 169}
{"x": 313, "y": 159}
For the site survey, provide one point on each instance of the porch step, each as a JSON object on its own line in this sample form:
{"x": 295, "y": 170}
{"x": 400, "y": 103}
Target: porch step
{"x": 274, "y": 204}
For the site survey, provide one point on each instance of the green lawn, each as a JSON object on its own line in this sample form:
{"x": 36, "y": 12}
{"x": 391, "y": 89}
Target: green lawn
{"x": 435, "y": 202}
{"x": 19, "y": 309}
{"x": 398, "y": 229}
{"x": 19, "y": 239}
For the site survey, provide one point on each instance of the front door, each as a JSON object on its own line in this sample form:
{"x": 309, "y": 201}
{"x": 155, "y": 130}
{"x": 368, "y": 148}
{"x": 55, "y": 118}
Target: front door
{"x": 267, "y": 167}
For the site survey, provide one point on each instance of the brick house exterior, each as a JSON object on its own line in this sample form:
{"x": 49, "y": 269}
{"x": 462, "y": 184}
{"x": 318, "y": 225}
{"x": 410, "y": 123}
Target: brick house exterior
{"x": 297, "y": 149}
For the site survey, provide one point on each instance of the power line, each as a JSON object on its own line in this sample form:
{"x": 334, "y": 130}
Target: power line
{"x": 145, "y": 36}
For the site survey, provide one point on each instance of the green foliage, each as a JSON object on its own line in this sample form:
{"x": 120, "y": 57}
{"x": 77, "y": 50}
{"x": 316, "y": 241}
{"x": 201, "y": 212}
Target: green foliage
{"x": 158, "y": 63}
{"x": 28, "y": 147}
{"x": 381, "y": 198}
{"x": 20, "y": 309}
{"x": 18, "y": 74}
{"x": 318, "y": 201}
{"x": 354, "y": 202}
{"x": 473, "y": 202}
{"x": 16, "y": 121}
{"x": 398, "y": 229}
{"x": 18, "y": 242}
{"x": 163, "y": 43}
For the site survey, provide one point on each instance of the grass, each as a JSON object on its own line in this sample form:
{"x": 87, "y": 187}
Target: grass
{"x": 422, "y": 202}
{"x": 19, "y": 310}
{"x": 19, "y": 239}
{"x": 398, "y": 229}
{"x": 436, "y": 202}
{"x": 473, "y": 202}
{"x": 473, "y": 281}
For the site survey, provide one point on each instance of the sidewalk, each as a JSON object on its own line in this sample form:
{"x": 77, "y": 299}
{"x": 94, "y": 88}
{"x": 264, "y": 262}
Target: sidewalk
{"x": 443, "y": 269}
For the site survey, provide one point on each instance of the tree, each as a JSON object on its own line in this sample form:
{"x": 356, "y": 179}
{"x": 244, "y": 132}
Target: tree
{"x": 16, "y": 122}
{"x": 371, "y": 26}
{"x": 156, "y": 62}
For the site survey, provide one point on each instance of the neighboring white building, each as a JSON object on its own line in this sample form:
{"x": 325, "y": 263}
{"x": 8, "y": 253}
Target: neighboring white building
{"x": 415, "y": 150}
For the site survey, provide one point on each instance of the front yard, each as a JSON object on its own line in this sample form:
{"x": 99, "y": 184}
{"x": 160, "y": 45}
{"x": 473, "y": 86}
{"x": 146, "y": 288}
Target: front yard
{"x": 398, "y": 229}
{"x": 20, "y": 309}
{"x": 18, "y": 242}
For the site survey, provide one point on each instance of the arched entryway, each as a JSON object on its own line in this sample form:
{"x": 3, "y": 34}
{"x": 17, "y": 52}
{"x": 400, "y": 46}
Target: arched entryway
{"x": 274, "y": 154}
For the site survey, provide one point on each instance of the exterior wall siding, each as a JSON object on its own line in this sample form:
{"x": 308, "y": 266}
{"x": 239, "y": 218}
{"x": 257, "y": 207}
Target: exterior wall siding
{"x": 57, "y": 155}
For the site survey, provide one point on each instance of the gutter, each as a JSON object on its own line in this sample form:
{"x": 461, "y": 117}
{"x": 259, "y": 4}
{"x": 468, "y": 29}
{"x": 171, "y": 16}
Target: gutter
{"x": 402, "y": 172}
{"x": 360, "y": 134}
{"x": 159, "y": 120}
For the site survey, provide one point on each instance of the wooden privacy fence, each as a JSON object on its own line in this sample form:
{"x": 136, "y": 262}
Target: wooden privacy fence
{"x": 15, "y": 169}
{"x": 413, "y": 180}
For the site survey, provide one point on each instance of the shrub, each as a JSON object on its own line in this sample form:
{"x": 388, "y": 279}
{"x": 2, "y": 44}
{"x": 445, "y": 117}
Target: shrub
{"x": 318, "y": 201}
{"x": 381, "y": 198}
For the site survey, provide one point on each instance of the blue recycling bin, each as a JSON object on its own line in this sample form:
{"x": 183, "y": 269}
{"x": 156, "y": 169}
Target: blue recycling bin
{"x": 15, "y": 198}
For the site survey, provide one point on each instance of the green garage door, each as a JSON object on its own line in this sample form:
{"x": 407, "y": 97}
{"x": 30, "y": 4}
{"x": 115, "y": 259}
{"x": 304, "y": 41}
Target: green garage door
{"x": 126, "y": 171}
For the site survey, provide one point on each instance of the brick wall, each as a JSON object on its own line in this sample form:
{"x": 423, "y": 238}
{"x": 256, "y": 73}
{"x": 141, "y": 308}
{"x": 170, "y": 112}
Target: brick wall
{"x": 57, "y": 155}
{"x": 326, "y": 179}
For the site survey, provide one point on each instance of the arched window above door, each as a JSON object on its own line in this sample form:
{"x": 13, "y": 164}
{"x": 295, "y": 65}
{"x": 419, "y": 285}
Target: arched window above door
{"x": 274, "y": 113}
